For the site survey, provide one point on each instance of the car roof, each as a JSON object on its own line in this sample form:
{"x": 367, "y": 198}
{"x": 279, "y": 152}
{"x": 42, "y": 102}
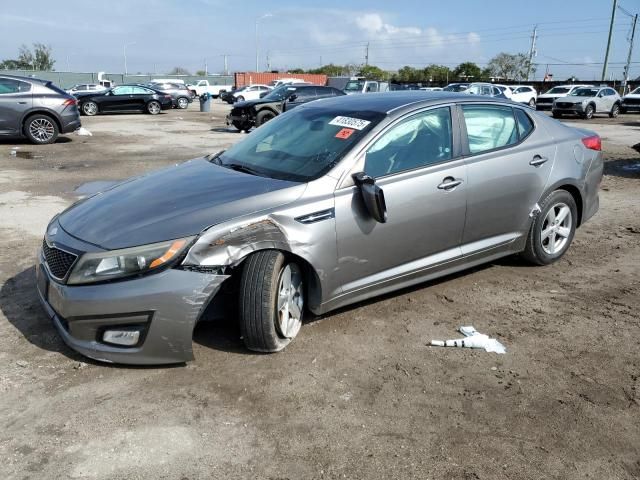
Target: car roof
{"x": 26, "y": 79}
{"x": 389, "y": 101}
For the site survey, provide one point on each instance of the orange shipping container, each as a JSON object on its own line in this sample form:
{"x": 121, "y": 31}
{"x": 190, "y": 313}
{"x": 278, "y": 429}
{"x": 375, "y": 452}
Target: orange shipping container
{"x": 249, "y": 78}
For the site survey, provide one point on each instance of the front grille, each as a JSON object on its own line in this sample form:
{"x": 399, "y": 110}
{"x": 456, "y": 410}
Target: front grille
{"x": 58, "y": 261}
{"x": 565, "y": 104}
{"x": 545, "y": 100}
{"x": 631, "y": 101}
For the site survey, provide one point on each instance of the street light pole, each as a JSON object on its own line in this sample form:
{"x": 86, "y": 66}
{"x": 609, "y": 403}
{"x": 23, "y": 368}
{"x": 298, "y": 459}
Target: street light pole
{"x": 125, "y": 56}
{"x": 266, "y": 15}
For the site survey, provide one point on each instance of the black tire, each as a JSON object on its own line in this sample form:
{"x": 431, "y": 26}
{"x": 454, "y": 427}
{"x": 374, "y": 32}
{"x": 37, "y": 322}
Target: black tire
{"x": 589, "y": 111}
{"x": 182, "y": 103}
{"x": 532, "y": 103}
{"x": 258, "y": 299}
{"x": 615, "y": 111}
{"x": 89, "y": 109}
{"x": 240, "y": 99}
{"x": 535, "y": 250}
{"x": 556, "y": 114}
{"x": 41, "y": 129}
{"x": 264, "y": 116}
{"x": 246, "y": 126}
{"x": 153, "y": 107}
{"x": 623, "y": 110}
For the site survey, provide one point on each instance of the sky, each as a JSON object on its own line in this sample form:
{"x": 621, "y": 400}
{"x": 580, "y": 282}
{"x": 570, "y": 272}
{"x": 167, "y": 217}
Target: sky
{"x": 90, "y": 36}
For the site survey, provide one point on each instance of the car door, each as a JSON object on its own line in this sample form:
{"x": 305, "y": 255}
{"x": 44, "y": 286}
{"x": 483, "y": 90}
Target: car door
{"x": 300, "y": 96}
{"x": 140, "y": 96}
{"x": 509, "y": 159}
{"x": 117, "y": 99}
{"x": 416, "y": 164}
{"x": 15, "y": 100}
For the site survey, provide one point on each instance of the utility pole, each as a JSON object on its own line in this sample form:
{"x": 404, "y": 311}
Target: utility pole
{"x": 206, "y": 68}
{"x": 532, "y": 50}
{"x": 628, "y": 65}
{"x": 606, "y": 55}
{"x": 366, "y": 54}
{"x": 226, "y": 64}
{"x": 268, "y": 62}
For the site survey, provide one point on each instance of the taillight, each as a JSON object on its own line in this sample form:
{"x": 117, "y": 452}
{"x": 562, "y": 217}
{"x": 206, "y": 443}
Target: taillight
{"x": 167, "y": 96}
{"x": 69, "y": 102}
{"x": 593, "y": 143}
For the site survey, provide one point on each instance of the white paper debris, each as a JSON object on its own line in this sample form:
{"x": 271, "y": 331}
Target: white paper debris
{"x": 472, "y": 339}
{"x": 84, "y": 132}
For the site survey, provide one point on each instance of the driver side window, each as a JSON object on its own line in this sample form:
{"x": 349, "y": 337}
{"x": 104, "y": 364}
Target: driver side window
{"x": 124, "y": 90}
{"x": 421, "y": 140}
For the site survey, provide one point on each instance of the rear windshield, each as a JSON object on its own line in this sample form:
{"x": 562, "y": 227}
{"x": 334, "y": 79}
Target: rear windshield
{"x": 56, "y": 89}
{"x": 458, "y": 87}
{"x": 584, "y": 92}
{"x": 302, "y": 144}
{"x": 354, "y": 86}
{"x": 558, "y": 90}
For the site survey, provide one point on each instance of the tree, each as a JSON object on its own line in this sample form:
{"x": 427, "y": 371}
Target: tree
{"x": 510, "y": 67}
{"x": 436, "y": 73}
{"x": 467, "y": 70}
{"x": 179, "y": 71}
{"x": 38, "y": 59}
{"x": 201, "y": 73}
{"x": 42, "y": 59}
{"x": 296, "y": 71}
{"x": 408, "y": 74}
{"x": 371, "y": 72}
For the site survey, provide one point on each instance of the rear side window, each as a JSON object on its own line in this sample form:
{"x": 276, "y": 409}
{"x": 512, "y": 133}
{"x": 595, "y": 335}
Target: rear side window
{"x": 489, "y": 127}
{"x": 324, "y": 92}
{"x": 525, "y": 125}
{"x": 9, "y": 85}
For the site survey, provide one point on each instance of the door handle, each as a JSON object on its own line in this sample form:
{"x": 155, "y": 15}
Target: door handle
{"x": 22, "y": 103}
{"x": 449, "y": 183}
{"x": 538, "y": 160}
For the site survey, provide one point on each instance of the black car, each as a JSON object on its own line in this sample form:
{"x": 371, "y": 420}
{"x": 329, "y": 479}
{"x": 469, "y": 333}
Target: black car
{"x": 245, "y": 115}
{"x": 125, "y": 98}
{"x": 179, "y": 92}
{"x": 36, "y": 109}
{"x": 227, "y": 95}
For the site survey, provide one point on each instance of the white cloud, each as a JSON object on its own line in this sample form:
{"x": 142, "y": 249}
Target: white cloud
{"x": 373, "y": 24}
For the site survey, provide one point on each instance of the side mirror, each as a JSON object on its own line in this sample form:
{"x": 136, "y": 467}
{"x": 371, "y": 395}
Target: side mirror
{"x": 292, "y": 97}
{"x": 372, "y": 195}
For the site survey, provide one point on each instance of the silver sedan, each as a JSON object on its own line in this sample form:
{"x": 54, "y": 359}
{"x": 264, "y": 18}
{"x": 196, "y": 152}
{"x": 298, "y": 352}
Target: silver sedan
{"x": 332, "y": 203}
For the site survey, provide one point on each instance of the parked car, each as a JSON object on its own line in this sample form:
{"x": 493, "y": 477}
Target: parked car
{"x": 588, "y": 101}
{"x": 631, "y": 101}
{"x": 125, "y": 98}
{"x": 355, "y": 86}
{"x": 545, "y": 101}
{"x": 431, "y": 89}
{"x": 487, "y": 89}
{"x": 180, "y": 94}
{"x": 245, "y": 115}
{"x": 250, "y": 92}
{"x": 505, "y": 89}
{"x": 36, "y": 109}
{"x": 335, "y": 202}
{"x": 284, "y": 81}
{"x": 524, "y": 94}
{"x": 203, "y": 86}
{"x": 86, "y": 88}
{"x": 456, "y": 87}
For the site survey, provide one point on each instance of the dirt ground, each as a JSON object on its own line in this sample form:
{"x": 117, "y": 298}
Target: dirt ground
{"x": 359, "y": 394}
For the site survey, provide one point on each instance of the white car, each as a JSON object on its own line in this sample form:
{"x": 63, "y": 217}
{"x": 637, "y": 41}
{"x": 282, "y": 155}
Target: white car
{"x": 250, "y": 92}
{"x": 545, "y": 101}
{"x": 524, "y": 94}
{"x": 631, "y": 101}
{"x": 86, "y": 88}
{"x": 505, "y": 89}
{"x": 285, "y": 81}
{"x": 431, "y": 89}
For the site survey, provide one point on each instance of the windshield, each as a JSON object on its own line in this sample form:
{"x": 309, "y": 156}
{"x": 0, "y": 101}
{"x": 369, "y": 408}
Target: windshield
{"x": 635, "y": 92}
{"x": 456, "y": 87}
{"x": 300, "y": 145}
{"x": 354, "y": 86}
{"x": 584, "y": 92}
{"x": 558, "y": 90}
{"x": 280, "y": 93}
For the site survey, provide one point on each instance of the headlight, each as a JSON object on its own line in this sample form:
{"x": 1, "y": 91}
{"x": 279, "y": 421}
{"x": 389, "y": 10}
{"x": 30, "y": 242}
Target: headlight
{"x": 97, "y": 267}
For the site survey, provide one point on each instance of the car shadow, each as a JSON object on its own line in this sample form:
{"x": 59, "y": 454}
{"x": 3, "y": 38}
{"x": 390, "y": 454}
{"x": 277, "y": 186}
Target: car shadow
{"x": 225, "y": 130}
{"x": 20, "y": 305}
{"x": 624, "y": 167}
{"x": 24, "y": 141}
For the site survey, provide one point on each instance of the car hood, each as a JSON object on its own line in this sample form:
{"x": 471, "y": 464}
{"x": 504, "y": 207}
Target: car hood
{"x": 171, "y": 203}
{"x": 575, "y": 99}
{"x": 253, "y": 103}
{"x": 632, "y": 95}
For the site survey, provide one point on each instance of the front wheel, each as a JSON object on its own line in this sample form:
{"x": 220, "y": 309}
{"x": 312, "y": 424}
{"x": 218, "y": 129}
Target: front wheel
{"x": 271, "y": 301}
{"x": 615, "y": 110}
{"x": 532, "y": 103}
{"x": 263, "y": 117}
{"x": 588, "y": 113}
{"x": 553, "y": 229}
{"x": 246, "y": 126}
{"x": 153, "y": 107}
{"x": 41, "y": 129}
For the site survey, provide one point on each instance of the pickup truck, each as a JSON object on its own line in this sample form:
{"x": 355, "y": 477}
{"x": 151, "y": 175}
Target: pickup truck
{"x": 359, "y": 85}
{"x": 203, "y": 86}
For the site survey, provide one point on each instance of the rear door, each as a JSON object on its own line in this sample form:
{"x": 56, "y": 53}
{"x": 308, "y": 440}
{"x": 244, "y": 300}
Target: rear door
{"x": 509, "y": 160}
{"x": 117, "y": 100}
{"x": 15, "y": 100}
{"x": 140, "y": 96}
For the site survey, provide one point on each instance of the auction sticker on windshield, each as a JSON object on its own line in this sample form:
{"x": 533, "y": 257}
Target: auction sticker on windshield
{"x": 350, "y": 122}
{"x": 345, "y": 133}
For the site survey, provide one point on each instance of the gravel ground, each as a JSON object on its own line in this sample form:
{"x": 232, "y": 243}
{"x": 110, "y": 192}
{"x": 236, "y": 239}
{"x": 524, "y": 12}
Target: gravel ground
{"x": 359, "y": 394}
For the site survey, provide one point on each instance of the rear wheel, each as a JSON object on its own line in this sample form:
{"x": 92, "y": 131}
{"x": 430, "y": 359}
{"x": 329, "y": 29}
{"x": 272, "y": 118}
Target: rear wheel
{"x": 41, "y": 129}
{"x": 615, "y": 110}
{"x": 264, "y": 116}
{"x": 183, "y": 102}
{"x": 553, "y": 229}
{"x": 154, "y": 107}
{"x": 271, "y": 301}
{"x": 589, "y": 111}
{"x": 240, "y": 99}
{"x": 90, "y": 108}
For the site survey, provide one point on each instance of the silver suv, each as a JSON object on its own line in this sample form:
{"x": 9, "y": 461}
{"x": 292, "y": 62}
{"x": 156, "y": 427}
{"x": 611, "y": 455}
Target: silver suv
{"x": 36, "y": 109}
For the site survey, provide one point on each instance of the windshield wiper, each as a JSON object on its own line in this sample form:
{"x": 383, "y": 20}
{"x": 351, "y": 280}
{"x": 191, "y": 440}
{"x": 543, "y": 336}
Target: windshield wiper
{"x": 242, "y": 168}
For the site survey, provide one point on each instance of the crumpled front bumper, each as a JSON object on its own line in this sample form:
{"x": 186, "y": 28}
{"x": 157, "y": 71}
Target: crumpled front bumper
{"x": 165, "y": 306}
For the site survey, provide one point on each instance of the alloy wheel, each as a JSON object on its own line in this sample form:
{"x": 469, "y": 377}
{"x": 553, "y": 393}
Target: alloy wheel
{"x": 90, "y": 108}
{"x": 183, "y": 103}
{"x": 290, "y": 301}
{"x": 42, "y": 129}
{"x": 154, "y": 108}
{"x": 556, "y": 229}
